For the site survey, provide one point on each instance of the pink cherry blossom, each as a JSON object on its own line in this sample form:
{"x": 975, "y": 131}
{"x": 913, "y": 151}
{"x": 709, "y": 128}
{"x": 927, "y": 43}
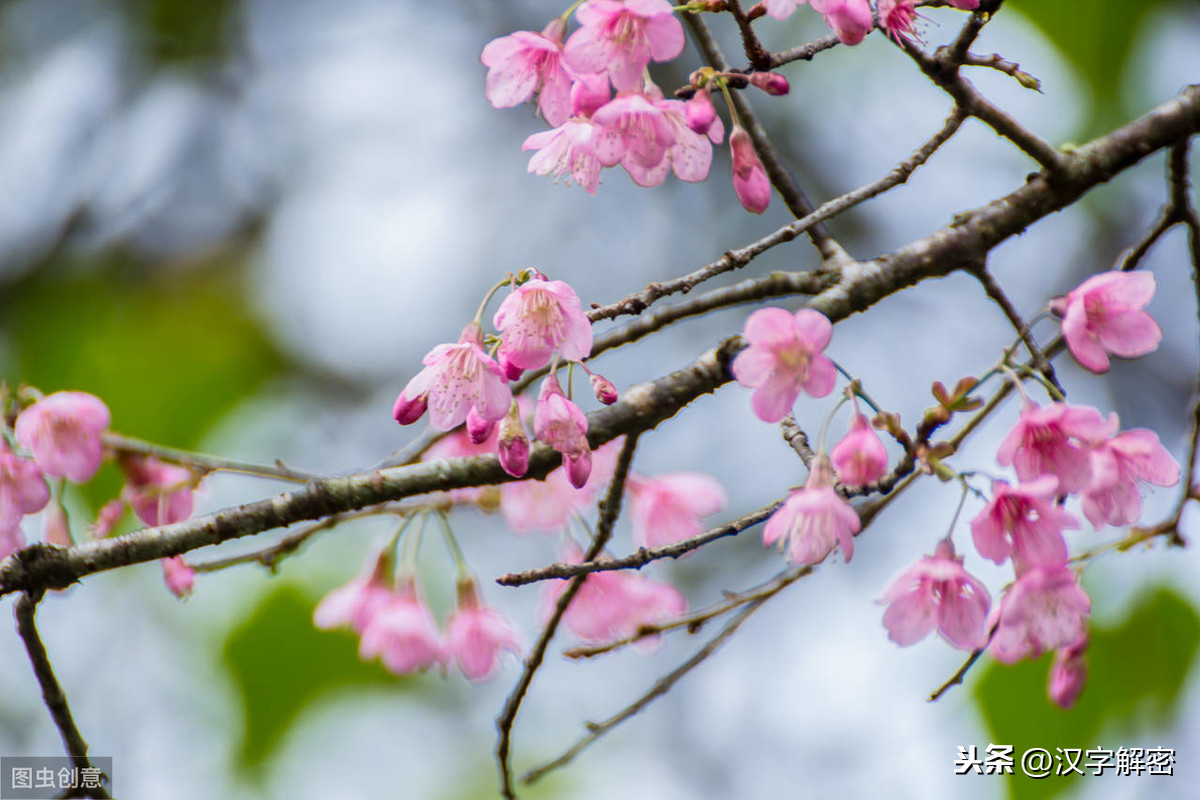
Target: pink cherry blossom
{"x": 569, "y": 152}
{"x": 22, "y": 488}
{"x": 1118, "y": 465}
{"x": 770, "y": 82}
{"x": 1054, "y": 441}
{"x": 851, "y": 20}
{"x": 750, "y": 182}
{"x": 640, "y": 133}
{"x": 476, "y": 636}
{"x": 937, "y": 592}
{"x": 559, "y": 423}
{"x": 158, "y": 493}
{"x": 546, "y": 505}
{"x": 898, "y": 19}
{"x": 178, "y": 575}
{"x": 614, "y": 604}
{"x": 513, "y": 445}
{"x": 1045, "y": 609}
{"x": 457, "y": 378}
{"x": 107, "y": 518}
{"x": 539, "y": 317}
{"x": 1104, "y": 315}
{"x": 699, "y": 112}
{"x": 690, "y": 157}
{"x": 667, "y": 508}
{"x": 525, "y": 62}
{"x": 402, "y": 633}
{"x": 1068, "y": 674}
{"x": 784, "y": 357}
{"x": 622, "y": 38}
{"x": 860, "y": 457}
{"x": 355, "y": 604}
{"x": 1023, "y": 522}
{"x": 814, "y": 519}
{"x": 62, "y": 430}
{"x": 782, "y": 9}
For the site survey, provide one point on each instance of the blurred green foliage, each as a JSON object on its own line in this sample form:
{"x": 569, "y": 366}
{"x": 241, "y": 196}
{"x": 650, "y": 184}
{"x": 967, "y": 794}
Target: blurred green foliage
{"x": 280, "y": 664}
{"x": 185, "y": 30}
{"x": 1137, "y": 671}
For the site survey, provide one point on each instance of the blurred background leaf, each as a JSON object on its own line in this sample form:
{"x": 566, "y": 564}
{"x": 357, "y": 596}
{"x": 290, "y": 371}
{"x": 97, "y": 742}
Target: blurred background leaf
{"x": 1123, "y": 693}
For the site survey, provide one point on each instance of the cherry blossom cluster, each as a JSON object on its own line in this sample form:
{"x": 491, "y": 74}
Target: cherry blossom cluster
{"x": 60, "y": 436}
{"x": 539, "y": 322}
{"x": 1058, "y": 452}
{"x": 593, "y": 88}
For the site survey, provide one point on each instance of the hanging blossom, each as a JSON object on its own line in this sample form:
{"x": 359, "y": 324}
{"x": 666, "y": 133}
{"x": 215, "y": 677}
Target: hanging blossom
{"x": 178, "y": 575}
{"x": 667, "y": 508}
{"x": 814, "y": 519}
{"x": 355, "y": 604}
{"x": 526, "y": 62}
{"x": 22, "y": 489}
{"x": 851, "y": 20}
{"x": 537, "y": 318}
{"x": 401, "y": 633}
{"x": 621, "y": 38}
{"x": 1044, "y": 609}
{"x": 784, "y": 357}
{"x": 1104, "y": 315}
{"x": 1023, "y": 522}
{"x": 860, "y": 457}
{"x": 559, "y": 423}
{"x": 1068, "y": 674}
{"x": 456, "y": 378}
{"x": 476, "y": 636}
{"x": 614, "y": 604}
{"x": 689, "y": 155}
{"x": 750, "y": 182}
{"x": 1055, "y": 441}
{"x": 159, "y": 493}
{"x": 937, "y": 592}
{"x": 1119, "y": 464}
{"x": 62, "y": 431}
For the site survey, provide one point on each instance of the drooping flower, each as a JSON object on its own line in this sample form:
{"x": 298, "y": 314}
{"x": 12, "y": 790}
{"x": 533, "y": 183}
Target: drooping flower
{"x": 1119, "y": 463}
{"x": 539, "y": 317}
{"x": 457, "y": 378}
{"x": 898, "y": 19}
{"x": 62, "y": 431}
{"x": 1068, "y": 674}
{"x": 860, "y": 457}
{"x": 402, "y": 633}
{"x": 355, "y": 604}
{"x": 1023, "y": 522}
{"x": 689, "y": 156}
{"x": 784, "y": 357}
{"x": 559, "y": 423}
{"x": 640, "y": 130}
{"x": 22, "y": 488}
{"x": 1104, "y": 315}
{"x": 667, "y": 508}
{"x": 699, "y": 112}
{"x": 570, "y": 152}
{"x": 750, "y": 182}
{"x": 1044, "y": 609}
{"x": 614, "y": 604}
{"x": 476, "y": 636}
{"x": 851, "y": 20}
{"x": 178, "y": 575}
{"x": 814, "y": 519}
{"x": 1055, "y": 441}
{"x": 936, "y": 592}
{"x": 622, "y": 38}
{"x": 158, "y": 493}
{"x": 526, "y": 62}
{"x": 513, "y": 445}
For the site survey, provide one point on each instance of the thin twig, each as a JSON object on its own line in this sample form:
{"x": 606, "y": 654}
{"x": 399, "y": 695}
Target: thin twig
{"x": 804, "y": 52}
{"x": 1010, "y": 68}
{"x": 697, "y": 619}
{"x": 756, "y": 54}
{"x": 957, "y": 678}
{"x": 643, "y": 555}
{"x": 661, "y": 687}
{"x": 997, "y": 295}
{"x": 25, "y": 610}
{"x": 205, "y": 463}
{"x": 610, "y": 509}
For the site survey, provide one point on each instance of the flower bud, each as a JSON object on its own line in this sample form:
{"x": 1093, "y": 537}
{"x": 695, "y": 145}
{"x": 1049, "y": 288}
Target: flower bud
{"x": 771, "y": 82}
{"x": 603, "y": 388}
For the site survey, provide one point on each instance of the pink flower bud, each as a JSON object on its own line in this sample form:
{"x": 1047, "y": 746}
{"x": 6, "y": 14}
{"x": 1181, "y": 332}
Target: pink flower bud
{"x": 579, "y": 468}
{"x": 513, "y": 448}
{"x": 603, "y": 388}
{"x": 771, "y": 83}
{"x": 1068, "y": 674}
{"x": 699, "y": 112}
{"x": 178, "y": 575}
{"x": 750, "y": 182}
{"x": 860, "y": 458}
{"x": 407, "y": 411}
{"x": 478, "y": 428}
{"x": 559, "y": 423}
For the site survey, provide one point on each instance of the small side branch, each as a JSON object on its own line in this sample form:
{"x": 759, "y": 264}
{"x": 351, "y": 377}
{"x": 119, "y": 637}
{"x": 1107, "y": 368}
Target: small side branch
{"x": 661, "y": 687}
{"x": 25, "y": 610}
{"x": 203, "y": 463}
{"x": 997, "y": 295}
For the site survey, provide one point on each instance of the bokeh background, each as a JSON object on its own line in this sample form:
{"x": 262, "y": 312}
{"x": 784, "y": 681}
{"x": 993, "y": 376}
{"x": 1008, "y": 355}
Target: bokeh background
{"x": 243, "y": 223}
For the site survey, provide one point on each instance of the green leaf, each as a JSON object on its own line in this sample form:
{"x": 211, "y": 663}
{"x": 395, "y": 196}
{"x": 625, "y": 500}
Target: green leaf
{"x": 184, "y": 30}
{"x": 1137, "y": 672}
{"x": 280, "y": 664}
